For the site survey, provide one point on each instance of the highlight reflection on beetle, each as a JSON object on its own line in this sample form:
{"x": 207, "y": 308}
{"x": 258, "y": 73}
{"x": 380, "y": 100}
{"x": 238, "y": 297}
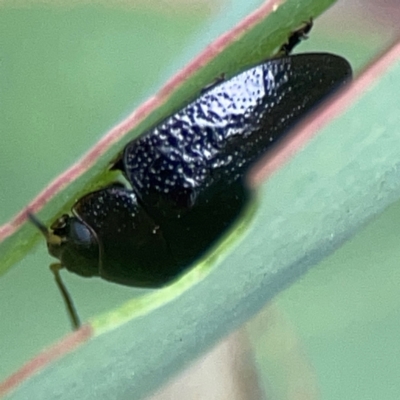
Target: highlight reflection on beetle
{"x": 186, "y": 175}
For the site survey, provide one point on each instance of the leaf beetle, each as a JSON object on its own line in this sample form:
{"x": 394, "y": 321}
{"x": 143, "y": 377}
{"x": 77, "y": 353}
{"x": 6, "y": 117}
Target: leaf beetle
{"x": 186, "y": 175}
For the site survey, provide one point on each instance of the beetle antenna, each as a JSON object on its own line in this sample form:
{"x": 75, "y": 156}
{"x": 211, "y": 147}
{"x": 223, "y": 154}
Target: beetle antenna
{"x": 51, "y": 238}
{"x": 39, "y": 224}
{"x": 72, "y": 313}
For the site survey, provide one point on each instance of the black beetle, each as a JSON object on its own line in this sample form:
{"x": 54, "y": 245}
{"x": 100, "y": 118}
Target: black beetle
{"x": 186, "y": 175}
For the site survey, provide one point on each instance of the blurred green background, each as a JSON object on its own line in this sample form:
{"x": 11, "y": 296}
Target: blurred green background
{"x": 69, "y": 73}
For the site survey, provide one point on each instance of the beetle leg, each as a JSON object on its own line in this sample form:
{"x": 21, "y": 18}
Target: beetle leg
{"x": 219, "y": 79}
{"x": 73, "y": 315}
{"x": 295, "y": 38}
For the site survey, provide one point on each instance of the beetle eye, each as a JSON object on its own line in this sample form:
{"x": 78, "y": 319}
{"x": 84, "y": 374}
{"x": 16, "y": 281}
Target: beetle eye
{"x": 79, "y": 233}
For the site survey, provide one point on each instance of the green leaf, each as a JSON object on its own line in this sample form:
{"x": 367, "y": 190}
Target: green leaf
{"x": 302, "y": 214}
{"x": 16, "y": 238}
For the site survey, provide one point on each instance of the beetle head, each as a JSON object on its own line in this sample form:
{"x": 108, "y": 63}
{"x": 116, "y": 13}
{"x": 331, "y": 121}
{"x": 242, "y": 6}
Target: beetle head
{"x": 72, "y": 242}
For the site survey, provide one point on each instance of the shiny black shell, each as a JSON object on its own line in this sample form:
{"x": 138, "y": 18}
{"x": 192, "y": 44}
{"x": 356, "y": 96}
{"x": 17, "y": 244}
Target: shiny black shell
{"x": 215, "y": 138}
{"x": 187, "y": 173}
